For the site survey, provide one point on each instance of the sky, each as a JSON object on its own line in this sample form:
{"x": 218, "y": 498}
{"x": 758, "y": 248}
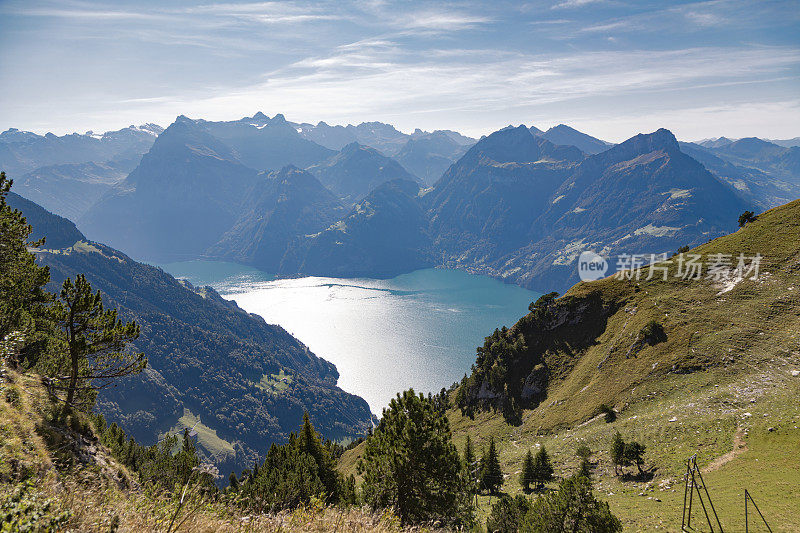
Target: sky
{"x": 610, "y": 68}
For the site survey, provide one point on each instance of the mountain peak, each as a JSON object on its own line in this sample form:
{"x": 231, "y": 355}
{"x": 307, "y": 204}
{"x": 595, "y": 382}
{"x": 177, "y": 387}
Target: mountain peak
{"x": 352, "y": 147}
{"x": 260, "y": 116}
{"x": 644, "y": 143}
{"x": 508, "y": 144}
{"x": 568, "y": 136}
{"x": 278, "y": 119}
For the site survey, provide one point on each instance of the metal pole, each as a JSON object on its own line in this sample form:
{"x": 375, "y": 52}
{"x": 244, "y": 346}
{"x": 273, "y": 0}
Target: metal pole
{"x": 746, "y": 528}
{"x": 684, "y": 525}
{"x": 748, "y": 495}
{"x": 700, "y": 497}
{"x": 711, "y": 503}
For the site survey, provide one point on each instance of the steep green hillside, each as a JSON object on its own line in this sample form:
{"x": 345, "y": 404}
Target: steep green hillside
{"x": 574, "y": 347}
{"x": 722, "y": 383}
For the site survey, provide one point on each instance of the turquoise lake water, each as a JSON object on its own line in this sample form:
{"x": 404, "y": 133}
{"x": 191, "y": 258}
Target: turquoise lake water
{"x": 417, "y": 330}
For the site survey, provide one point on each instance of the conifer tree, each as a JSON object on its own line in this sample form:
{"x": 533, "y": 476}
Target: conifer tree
{"x": 309, "y": 442}
{"x": 471, "y": 465}
{"x": 23, "y": 300}
{"x": 633, "y": 454}
{"x": 617, "y": 452}
{"x": 542, "y": 468}
{"x": 573, "y": 507}
{"x": 96, "y": 342}
{"x": 411, "y": 465}
{"x": 491, "y": 473}
{"x": 527, "y": 476}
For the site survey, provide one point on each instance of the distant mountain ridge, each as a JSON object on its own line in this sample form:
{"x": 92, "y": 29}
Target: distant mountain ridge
{"x": 429, "y": 155}
{"x": 68, "y": 173}
{"x": 567, "y": 136}
{"x": 178, "y": 201}
{"x": 520, "y": 208}
{"x": 22, "y": 151}
{"x": 356, "y": 170}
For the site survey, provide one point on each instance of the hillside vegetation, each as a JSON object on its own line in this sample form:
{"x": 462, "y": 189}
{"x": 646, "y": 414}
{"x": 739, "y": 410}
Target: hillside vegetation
{"x": 718, "y": 383}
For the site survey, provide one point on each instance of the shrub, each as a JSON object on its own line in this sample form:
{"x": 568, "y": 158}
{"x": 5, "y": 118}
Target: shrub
{"x": 653, "y": 333}
{"x": 507, "y": 514}
{"x": 746, "y": 217}
{"x": 610, "y": 414}
{"x": 573, "y": 508}
{"x": 23, "y": 510}
{"x": 583, "y": 451}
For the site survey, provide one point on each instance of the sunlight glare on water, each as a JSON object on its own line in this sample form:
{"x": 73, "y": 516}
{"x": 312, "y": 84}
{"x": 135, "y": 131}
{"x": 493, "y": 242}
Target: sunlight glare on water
{"x": 417, "y": 330}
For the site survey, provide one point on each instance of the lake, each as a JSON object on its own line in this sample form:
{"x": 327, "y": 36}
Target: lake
{"x": 416, "y": 330}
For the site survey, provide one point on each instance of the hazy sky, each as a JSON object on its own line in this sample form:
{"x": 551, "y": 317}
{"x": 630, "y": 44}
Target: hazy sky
{"x": 610, "y": 68}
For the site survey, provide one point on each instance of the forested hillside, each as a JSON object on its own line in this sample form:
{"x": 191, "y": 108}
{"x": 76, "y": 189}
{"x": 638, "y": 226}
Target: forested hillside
{"x": 209, "y": 361}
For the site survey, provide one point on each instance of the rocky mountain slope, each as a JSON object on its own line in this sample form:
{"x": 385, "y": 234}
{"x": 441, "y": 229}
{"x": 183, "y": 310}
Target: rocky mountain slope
{"x": 182, "y": 197}
{"x": 356, "y": 170}
{"x": 383, "y": 235}
{"x": 266, "y": 144}
{"x": 282, "y": 207}
{"x": 522, "y": 209}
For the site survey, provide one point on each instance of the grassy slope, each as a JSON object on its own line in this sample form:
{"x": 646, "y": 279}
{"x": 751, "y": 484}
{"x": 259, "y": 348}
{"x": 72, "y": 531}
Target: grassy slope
{"x": 727, "y": 354}
{"x": 75, "y": 473}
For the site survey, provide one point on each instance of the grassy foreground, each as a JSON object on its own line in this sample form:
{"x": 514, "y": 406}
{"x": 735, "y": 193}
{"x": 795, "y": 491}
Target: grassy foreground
{"x": 58, "y": 477}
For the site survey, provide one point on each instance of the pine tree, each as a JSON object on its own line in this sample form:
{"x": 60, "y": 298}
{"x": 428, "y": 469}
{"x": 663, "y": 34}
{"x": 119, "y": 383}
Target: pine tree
{"x": 527, "y": 476}
{"x": 309, "y": 442}
{"x": 96, "y": 342}
{"x": 491, "y": 473}
{"x": 633, "y": 454}
{"x": 542, "y": 468}
{"x": 23, "y": 300}
{"x": 572, "y": 508}
{"x": 617, "y": 452}
{"x": 411, "y": 464}
{"x": 585, "y": 469}
{"x": 470, "y": 466}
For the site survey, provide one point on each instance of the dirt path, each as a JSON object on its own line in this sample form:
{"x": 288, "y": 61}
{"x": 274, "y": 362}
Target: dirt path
{"x": 739, "y": 447}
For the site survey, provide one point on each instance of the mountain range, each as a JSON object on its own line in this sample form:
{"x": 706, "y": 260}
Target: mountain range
{"x": 369, "y": 200}
{"x": 67, "y": 174}
{"x": 522, "y": 209}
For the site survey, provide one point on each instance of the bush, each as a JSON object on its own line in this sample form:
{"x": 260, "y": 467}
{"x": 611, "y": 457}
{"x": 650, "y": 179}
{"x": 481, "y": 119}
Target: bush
{"x": 746, "y": 217}
{"x": 653, "y": 333}
{"x": 610, "y": 414}
{"x": 583, "y": 451}
{"x": 573, "y": 508}
{"x": 23, "y": 510}
{"x": 507, "y": 514}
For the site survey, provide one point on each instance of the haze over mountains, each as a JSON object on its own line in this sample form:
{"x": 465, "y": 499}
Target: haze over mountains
{"x": 519, "y": 204}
